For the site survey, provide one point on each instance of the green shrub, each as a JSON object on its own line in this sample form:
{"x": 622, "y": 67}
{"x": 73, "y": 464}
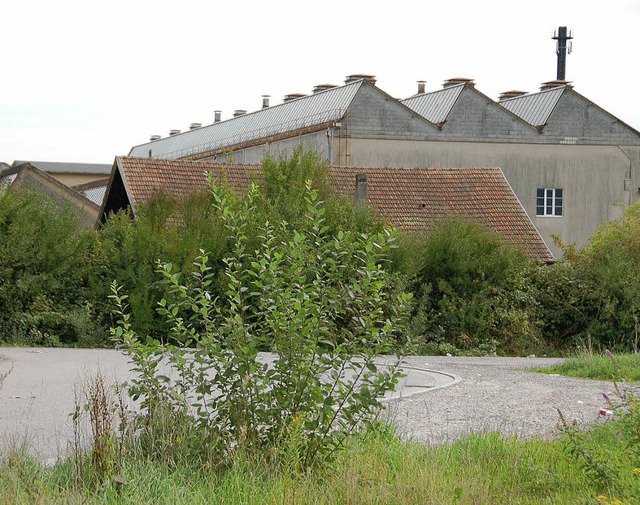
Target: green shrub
{"x": 321, "y": 302}
{"x": 45, "y": 260}
{"x": 472, "y": 290}
{"x": 593, "y": 295}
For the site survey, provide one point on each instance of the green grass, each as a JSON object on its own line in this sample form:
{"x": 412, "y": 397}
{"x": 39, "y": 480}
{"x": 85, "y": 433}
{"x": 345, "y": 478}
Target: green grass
{"x": 483, "y": 468}
{"x": 623, "y": 367}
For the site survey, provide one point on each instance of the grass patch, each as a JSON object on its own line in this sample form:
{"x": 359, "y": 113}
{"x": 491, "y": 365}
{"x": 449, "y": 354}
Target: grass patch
{"x": 381, "y": 469}
{"x": 600, "y": 367}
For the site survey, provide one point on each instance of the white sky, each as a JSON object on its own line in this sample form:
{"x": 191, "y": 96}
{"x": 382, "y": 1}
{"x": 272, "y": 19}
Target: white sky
{"x": 84, "y": 82}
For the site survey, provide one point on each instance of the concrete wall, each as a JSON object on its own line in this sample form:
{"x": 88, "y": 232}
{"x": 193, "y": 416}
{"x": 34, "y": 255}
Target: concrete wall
{"x": 576, "y": 117}
{"x": 374, "y": 114}
{"x": 476, "y": 117}
{"x": 86, "y": 212}
{"x": 317, "y": 141}
{"x": 77, "y": 179}
{"x": 592, "y": 177}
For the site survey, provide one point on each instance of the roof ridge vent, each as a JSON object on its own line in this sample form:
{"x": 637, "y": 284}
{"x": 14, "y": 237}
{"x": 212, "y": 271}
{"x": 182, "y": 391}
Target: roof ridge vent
{"x": 239, "y": 112}
{"x": 454, "y": 81}
{"x": 505, "y": 95}
{"x": 356, "y": 77}
{"x": 557, "y": 83}
{"x": 173, "y": 132}
{"x": 292, "y": 96}
{"x": 195, "y": 126}
{"x": 153, "y": 138}
{"x": 323, "y": 87}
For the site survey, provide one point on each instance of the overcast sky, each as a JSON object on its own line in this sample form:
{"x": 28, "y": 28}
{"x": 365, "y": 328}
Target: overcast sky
{"x": 85, "y": 82}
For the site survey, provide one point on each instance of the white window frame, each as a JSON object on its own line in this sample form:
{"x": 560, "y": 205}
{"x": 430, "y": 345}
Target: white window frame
{"x": 550, "y": 202}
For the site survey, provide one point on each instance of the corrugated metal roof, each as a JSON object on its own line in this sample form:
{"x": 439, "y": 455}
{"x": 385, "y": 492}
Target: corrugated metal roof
{"x": 7, "y": 180}
{"x": 96, "y": 195}
{"x": 534, "y": 108}
{"x": 304, "y": 112}
{"x": 435, "y": 106}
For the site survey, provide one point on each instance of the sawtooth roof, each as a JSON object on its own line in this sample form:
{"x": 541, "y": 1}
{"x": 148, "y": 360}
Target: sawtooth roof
{"x": 297, "y": 114}
{"x": 534, "y": 108}
{"x": 411, "y": 199}
{"x": 436, "y": 105}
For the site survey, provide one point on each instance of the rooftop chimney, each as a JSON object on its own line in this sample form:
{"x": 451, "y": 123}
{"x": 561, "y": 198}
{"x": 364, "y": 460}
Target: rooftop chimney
{"x": 458, "y": 80}
{"x": 561, "y": 50}
{"x": 216, "y": 116}
{"x": 194, "y": 126}
{"x": 293, "y": 96}
{"x": 421, "y": 86}
{"x": 239, "y": 112}
{"x": 357, "y": 77}
{"x": 555, "y": 84}
{"x": 322, "y": 87}
{"x": 173, "y": 132}
{"x": 510, "y": 94}
{"x": 153, "y": 138}
{"x": 362, "y": 188}
{"x": 265, "y": 101}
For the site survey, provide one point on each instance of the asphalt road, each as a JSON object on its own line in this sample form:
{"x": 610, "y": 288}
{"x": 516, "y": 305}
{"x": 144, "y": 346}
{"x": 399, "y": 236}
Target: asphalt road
{"x": 44, "y": 385}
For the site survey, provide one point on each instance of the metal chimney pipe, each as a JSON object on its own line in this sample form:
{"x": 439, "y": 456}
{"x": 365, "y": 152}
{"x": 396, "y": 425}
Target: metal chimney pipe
{"x": 216, "y": 116}
{"x": 421, "y": 87}
{"x": 265, "y": 101}
{"x": 561, "y": 50}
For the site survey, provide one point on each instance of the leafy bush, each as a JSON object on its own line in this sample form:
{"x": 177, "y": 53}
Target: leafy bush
{"x": 321, "y": 302}
{"x": 471, "y": 288}
{"x": 593, "y": 294}
{"x": 45, "y": 262}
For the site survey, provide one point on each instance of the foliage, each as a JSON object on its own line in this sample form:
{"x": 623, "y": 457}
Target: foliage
{"x": 599, "y": 367}
{"x": 44, "y": 266}
{"x": 321, "y": 302}
{"x": 380, "y": 468}
{"x": 130, "y": 249}
{"x": 281, "y": 194}
{"x": 611, "y": 466}
{"x": 593, "y": 294}
{"x": 472, "y": 290}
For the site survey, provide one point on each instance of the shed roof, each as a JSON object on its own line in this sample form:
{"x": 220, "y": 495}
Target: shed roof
{"x": 411, "y": 199}
{"x": 435, "y": 106}
{"x": 534, "y": 108}
{"x": 304, "y": 112}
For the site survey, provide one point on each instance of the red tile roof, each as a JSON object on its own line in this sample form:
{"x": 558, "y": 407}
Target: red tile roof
{"x": 413, "y": 199}
{"x": 410, "y": 199}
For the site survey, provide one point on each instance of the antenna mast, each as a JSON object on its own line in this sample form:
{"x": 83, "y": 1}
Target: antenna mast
{"x": 561, "y": 50}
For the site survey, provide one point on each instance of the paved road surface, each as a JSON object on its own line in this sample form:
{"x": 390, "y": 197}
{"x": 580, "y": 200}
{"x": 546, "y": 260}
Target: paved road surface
{"x": 440, "y": 399}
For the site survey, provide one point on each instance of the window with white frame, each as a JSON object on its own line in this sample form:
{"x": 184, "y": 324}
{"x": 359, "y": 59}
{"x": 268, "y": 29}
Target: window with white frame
{"x": 549, "y": 202}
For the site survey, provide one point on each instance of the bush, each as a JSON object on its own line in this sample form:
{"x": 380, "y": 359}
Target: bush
{"x": 321, "y": 302}
{"x": 593, "y": 295}
{"x": 471, "y": 289}
{"x": 45, "y": 260}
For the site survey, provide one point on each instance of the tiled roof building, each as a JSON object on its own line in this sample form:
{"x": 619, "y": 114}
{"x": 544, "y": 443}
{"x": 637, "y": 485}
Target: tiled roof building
{"x": 409, "y": 199}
